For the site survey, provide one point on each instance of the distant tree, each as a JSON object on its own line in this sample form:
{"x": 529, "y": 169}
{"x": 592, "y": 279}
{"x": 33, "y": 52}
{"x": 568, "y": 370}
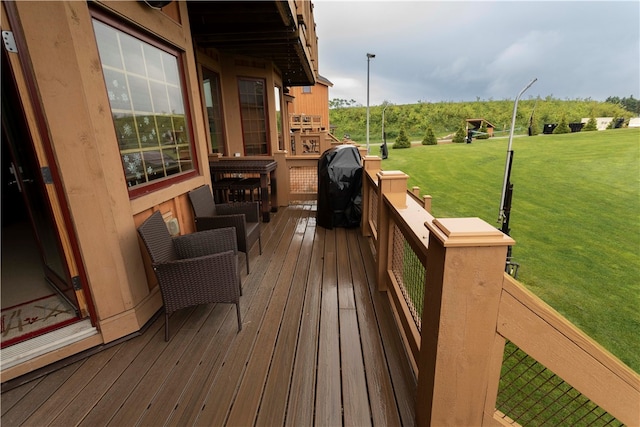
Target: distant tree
{"x": 630, "y": 104}
{"x": 341, "y": 103}
{"x": 591, "y": 125}
{"x": 483, "y": 132}
{"x": 460, "y": 135}
{"x": 563, "y": 126}
{"x": 402, "y": 141}
{"x": 429, "y": 137}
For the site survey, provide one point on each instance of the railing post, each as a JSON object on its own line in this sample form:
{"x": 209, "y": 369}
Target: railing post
{"x": 393, "y": 186}
{"x": 426, "y": 200}
{"x": 371, "y": 165}
{"x": 465, "y": 266}
{"x": 283, "y": 189}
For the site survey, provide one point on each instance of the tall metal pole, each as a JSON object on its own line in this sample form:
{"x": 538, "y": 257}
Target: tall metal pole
{"x": 369, "y": 56}
{"x": 507, "y": 188}
{"x": 384, "y": 152}
{"x": 507, "y": 168}
{"x": 383, "y": 109}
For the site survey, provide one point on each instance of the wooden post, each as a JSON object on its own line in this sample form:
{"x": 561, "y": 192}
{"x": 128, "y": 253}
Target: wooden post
{"x": 282, "y": 179}
{"x": 426, "y": 200}
{"x": 393, "y": 186}
{"x": 465, "y": 266}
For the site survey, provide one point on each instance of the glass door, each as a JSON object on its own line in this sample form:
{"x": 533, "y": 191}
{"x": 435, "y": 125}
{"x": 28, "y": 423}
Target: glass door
{"x": 25, "y": 199}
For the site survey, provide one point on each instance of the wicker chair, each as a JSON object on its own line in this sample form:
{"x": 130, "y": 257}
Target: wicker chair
{"x": 245, "y": 217}
{"x": 193, "y": 269}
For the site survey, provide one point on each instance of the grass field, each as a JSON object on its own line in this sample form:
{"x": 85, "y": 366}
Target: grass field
{"x": 575, "y": 218}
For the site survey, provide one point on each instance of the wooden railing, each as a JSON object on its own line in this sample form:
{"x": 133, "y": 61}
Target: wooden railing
{"x": 486, "y": 351}
{"x": 304, "y": 122}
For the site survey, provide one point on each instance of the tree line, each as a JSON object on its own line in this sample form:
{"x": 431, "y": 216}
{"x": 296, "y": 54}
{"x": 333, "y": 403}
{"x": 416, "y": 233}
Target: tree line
{"x": 446, "y": 118}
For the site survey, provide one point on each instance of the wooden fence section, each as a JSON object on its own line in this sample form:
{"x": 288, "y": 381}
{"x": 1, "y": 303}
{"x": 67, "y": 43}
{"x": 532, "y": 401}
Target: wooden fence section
{"x": 469, "y": 319}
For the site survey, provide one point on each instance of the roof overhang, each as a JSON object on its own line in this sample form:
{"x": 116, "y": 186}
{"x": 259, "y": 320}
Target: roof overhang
{"x": 268, "y": 30}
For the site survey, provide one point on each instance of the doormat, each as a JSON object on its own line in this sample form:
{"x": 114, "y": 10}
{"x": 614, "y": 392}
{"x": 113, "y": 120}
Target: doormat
{"x": 24, "y": 321}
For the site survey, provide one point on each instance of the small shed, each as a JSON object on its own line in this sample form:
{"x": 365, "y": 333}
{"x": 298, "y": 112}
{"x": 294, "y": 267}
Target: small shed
{"x": 476, "y": 124}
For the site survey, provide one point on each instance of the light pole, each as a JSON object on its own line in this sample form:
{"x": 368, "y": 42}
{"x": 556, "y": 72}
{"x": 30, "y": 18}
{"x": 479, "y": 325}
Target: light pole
{"x": 383, "y": 135}
{"x": 369, "y": 56}
{"x": 384, "y": 152}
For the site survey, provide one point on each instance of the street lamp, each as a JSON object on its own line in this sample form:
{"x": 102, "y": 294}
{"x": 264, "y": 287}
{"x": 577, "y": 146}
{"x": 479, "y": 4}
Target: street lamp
{"x": 369, "y": 56}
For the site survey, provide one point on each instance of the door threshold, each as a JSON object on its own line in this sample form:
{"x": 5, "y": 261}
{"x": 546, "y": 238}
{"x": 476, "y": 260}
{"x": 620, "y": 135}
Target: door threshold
{"x": 30, "y": 349}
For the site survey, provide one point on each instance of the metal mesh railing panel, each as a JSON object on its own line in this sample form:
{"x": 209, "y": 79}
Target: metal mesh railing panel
{"x": 303, "y": 179}
{"x": 532, "y": 395}
{"x": 409, "y": 273}
{"x": 373, "y": 206}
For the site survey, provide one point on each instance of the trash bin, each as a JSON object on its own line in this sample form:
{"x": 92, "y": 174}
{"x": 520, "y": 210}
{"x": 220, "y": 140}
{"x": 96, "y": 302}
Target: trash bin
{"x": 340, "y": 187}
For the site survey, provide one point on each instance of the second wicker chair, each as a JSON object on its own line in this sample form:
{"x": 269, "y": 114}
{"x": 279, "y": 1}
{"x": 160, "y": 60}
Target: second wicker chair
{"x": 245, "y": 217}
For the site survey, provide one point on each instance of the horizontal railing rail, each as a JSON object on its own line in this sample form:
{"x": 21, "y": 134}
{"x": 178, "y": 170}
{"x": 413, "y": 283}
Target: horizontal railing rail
{"x": 565, "y": 377}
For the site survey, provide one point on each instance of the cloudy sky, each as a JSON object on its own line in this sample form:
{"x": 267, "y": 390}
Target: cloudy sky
{"x": 464, "y": 50}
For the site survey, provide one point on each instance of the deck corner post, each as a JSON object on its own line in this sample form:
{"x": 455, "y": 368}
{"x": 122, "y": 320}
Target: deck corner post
{"x": 392, "y": 186}
{"x": 465, "y": 270}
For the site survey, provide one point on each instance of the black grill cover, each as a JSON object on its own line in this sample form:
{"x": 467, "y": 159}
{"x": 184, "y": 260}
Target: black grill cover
{"x": 340, "y": 187}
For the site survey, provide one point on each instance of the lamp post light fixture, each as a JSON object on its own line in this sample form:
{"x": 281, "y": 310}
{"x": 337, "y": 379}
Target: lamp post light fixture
{"x": 369, "y": 56}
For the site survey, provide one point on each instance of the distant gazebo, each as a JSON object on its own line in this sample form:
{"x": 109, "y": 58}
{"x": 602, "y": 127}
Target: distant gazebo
{"x": 476, "y": 124}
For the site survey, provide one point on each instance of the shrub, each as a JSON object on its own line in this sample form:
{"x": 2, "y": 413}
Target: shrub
{"x": 591, "y": 125}
{"x": 460, "y": 136}
{"x": 402, "y": 141}
{"x": 429, "y": 137}
{"x": 483, "y": 132}
{"x": 563, "y": 126}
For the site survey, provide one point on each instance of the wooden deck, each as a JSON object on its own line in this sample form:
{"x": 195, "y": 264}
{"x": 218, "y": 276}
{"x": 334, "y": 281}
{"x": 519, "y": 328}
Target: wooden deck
{"x": 318, "y": 346}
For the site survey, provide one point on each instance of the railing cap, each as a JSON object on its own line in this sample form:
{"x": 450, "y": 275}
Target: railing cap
{"x": 392, "y": 175}
{"x": 467, "y": 232}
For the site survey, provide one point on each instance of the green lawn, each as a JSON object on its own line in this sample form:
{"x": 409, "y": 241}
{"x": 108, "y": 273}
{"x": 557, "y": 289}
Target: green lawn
{"x": 575, "y": 218}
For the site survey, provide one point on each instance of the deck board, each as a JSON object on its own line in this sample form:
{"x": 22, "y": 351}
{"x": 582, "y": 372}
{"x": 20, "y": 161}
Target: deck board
{"x": 328, "y": 387}
{"x": 276, "y": 392}
{"x": 318, "y": 347}
{"x": 379, "y": 384}
{"x": 303, "y": 382}
{"x": 356, "y": 410}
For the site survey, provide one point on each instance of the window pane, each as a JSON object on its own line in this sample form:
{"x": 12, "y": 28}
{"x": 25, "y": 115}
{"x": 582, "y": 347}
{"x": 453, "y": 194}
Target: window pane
{"x": 140, "y": 95}
{"x": 147, "y": 105}
{"x": 117, "y": 89}
{"x": 108, "y": 45}
{"x": 126, "y": 131}
{"x": 132, "y": 54}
